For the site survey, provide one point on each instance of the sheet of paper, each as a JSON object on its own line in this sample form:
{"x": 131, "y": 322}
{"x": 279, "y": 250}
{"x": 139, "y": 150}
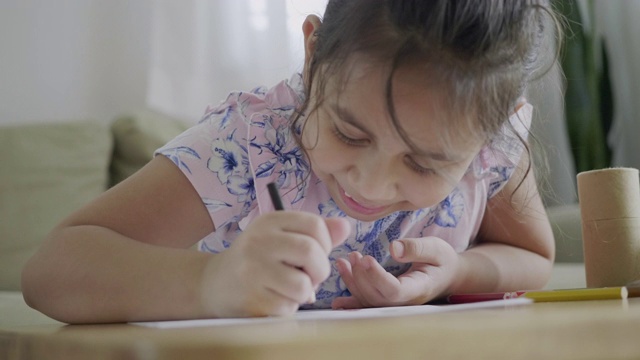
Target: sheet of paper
{"x": 339, "y": 314}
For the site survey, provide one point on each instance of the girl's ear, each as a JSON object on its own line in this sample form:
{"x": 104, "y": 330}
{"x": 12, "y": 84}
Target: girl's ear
{"x": 309, "y": 28}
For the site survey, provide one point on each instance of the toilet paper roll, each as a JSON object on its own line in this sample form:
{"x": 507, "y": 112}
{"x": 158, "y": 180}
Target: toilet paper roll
{"x": 610, "y": 211}
{"x": 611, "y": 252}
{"x": 609, "y": 194}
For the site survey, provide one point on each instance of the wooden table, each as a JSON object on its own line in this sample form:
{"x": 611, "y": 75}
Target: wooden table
{"x": 607, "y": 329}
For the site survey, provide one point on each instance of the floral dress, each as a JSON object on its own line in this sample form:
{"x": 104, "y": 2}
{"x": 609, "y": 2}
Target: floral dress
{"x": 246, "y": 142}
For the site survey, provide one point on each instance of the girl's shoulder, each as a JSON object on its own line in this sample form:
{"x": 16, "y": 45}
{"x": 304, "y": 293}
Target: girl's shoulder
{"x": 496, "y": 161}
{"x": 235, "y": 147}
{"x": 281, "y": 99}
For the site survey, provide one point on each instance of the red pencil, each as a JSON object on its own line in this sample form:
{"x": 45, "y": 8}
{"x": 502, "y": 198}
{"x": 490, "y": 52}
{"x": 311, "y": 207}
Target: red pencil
{"x": 470, "y": 298}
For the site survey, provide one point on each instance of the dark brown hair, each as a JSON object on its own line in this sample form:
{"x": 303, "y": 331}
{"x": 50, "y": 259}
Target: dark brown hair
{"x": 481, "y": 53}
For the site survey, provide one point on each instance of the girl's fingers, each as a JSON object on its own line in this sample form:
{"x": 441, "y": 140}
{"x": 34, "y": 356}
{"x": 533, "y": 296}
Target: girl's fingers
{"x": 428, "y": 250}
{"x": 339, "y": 229}
{"x": 375, "y": 284}
{"x": 302, "y": 252}
{"x": 260, "y": 288}
{"x": 372, "y": 285}
{"x": 367, "y": 281}
{"x": 346, "y": 270}
{"x": 288, "y": 282}
{"x": 301, "y": 223}
{"x": 346, "y": 273}
{"x": 279, "y": 260}
{"x": 271, "y": 303}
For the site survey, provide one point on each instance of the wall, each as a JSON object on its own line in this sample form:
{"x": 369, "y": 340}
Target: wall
{"x": 72, "y": 59}
{"x": 90, "y": 59}
{"x": 617, "y": 21}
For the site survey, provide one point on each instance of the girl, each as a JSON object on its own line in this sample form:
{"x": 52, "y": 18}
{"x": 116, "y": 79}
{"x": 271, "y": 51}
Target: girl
{"x": 400, "y": 153}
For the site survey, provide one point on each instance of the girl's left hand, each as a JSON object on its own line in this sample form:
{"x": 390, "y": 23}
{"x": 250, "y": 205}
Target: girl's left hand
{"x": 434, "y": 268}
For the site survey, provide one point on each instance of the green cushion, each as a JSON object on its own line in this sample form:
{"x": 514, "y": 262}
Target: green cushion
{"x": 136, "y": 137}
{"x": 47, "y": 172}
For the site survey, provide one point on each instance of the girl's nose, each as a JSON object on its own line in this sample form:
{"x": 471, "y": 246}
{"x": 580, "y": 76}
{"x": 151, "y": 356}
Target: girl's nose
{"x": 376, "y": 181}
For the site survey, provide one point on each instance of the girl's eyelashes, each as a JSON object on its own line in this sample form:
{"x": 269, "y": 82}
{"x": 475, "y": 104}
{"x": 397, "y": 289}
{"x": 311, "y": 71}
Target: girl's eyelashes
{"x": 347, "y": 140}
{"x": 421, "y": 170}
{"x": 418, "y": 168}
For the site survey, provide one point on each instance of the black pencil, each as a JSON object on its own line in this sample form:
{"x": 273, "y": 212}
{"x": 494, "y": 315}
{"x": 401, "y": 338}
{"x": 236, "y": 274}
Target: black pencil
{"x": 275, "y": 196}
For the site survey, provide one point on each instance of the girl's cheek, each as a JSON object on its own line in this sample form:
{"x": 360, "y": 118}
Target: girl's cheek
{"x": 429, "y": 192}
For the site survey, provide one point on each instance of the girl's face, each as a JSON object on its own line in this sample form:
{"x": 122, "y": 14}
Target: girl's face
{"x": 357, "y": 152}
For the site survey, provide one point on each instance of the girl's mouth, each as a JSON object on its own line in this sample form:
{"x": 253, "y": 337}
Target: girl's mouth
{"x": 358, "y": 207}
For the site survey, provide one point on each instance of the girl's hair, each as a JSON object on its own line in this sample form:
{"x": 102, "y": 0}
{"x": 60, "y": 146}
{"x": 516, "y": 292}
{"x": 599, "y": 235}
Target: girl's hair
{"x": 479, "y": 53}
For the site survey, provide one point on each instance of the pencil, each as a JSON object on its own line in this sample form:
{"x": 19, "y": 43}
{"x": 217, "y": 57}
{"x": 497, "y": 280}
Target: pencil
{"x": 276, "y": 200}
{"x": 471, "y": 298}
{"x": 621, "y": 292}
{"x": 275, "y": 196}
{"x": 578, "y": 294}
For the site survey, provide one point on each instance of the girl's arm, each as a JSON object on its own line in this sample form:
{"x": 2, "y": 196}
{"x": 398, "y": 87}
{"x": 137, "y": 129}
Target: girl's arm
{"x": 90, "y": 268}
{"x": 515, "y": 247}
{"x": 125, "y": 257}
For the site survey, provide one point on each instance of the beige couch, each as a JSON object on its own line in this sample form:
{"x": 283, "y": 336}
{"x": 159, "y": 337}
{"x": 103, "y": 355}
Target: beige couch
{"x": 47, "y": 171}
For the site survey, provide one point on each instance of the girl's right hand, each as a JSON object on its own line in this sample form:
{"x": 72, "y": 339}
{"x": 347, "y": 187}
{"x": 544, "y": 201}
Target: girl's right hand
{"x": 273, "y": 266}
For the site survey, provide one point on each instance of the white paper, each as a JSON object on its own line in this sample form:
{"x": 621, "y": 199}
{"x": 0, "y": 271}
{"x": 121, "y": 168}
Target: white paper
{"x": 369, "y": 313}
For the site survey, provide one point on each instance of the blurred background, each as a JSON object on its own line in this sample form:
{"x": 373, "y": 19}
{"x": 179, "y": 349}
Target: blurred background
{"x": 79, "y": 59}
{"x": 90, "y": 88}
{"x": 98, "y": 59}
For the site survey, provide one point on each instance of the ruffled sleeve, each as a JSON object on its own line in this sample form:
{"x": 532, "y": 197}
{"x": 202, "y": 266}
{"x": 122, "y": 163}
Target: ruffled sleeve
{"x": 213, "y": 156}
{"x": 236, "y": 148}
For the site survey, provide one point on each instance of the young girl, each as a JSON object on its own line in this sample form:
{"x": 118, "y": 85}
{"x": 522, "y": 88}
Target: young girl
{"x": 400, "y": 156}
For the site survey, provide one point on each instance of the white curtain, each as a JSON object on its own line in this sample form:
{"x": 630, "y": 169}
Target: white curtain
{"x": 203, "y": 49}
{"x": 618, "y": 22}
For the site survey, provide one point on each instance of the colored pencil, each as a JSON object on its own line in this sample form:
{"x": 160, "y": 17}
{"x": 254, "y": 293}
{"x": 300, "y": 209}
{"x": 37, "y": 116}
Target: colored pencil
{"x": 578, "y": 294}
{"x": 621, "y": 292}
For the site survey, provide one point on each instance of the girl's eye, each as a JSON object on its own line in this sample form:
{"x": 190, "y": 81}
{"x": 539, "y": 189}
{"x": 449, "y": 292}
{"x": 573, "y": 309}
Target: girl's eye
{"x": 347, "y": 140}
{"x": 421, "y": 170}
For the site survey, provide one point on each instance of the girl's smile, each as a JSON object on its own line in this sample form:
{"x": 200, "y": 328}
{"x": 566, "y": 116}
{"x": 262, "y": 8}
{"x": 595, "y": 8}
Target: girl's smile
{"x": 360, "y": 206}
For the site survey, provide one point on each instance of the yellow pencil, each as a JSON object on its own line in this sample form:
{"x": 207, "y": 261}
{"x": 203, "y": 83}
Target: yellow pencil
{"x": 578, "y": 294}
{"x": 620, "y": 292}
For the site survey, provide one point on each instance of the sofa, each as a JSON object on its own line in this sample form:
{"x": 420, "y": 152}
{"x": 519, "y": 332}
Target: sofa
{"x": 49, "y": 170}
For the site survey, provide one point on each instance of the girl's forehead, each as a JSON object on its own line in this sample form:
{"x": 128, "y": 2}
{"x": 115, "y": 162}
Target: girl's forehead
{"x": 424, "y": 117}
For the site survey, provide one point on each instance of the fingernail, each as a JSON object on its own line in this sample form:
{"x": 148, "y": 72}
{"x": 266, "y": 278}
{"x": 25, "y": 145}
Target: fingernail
{"x": 398, "y": 248}
{"x": 365, "y": 263}
{"x": 352, "y": 258}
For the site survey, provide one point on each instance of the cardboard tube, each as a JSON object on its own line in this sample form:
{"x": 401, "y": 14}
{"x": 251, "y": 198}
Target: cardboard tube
{"x": 610, "y": 211}
{"x": 609, "y": 194}
{"x": 611, "y": 252}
